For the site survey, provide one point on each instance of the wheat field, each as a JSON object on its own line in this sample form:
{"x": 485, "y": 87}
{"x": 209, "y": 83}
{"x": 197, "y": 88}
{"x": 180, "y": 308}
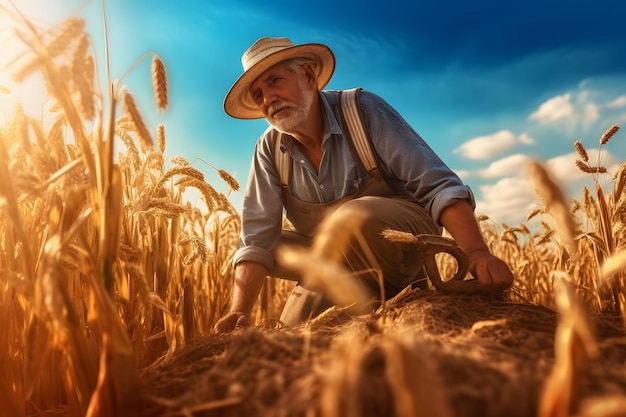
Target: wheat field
{"x": 111, "y": 282}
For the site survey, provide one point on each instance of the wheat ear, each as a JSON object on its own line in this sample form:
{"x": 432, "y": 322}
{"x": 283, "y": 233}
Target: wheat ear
{"x": 159, "y": 83}
{"x": 130, "y": 107}
{"x": 608, "y": 134}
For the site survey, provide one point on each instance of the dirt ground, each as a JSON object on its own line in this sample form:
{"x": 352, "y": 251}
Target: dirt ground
{"x": 426, "y": 354}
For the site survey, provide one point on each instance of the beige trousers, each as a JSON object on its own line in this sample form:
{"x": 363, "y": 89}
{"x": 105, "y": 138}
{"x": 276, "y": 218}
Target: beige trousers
{"x": 398, "y": 265}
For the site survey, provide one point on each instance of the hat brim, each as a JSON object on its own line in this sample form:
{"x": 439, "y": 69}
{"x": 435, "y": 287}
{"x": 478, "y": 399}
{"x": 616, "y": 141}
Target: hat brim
{"x": 238, "y": 102}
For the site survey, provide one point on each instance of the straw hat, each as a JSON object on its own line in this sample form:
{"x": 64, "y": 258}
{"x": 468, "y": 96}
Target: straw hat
{"x": 265, "y": 53}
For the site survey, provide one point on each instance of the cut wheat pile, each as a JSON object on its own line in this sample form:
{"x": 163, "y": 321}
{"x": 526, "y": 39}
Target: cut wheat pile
{"x": 111, "y": 282}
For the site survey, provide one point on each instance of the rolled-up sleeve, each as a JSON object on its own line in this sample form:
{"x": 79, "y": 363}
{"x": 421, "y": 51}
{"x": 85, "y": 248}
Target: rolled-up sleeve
{"x": 408, "y": 162}
{"x": 449, "y": 196}
{"x": 262, "y": 211}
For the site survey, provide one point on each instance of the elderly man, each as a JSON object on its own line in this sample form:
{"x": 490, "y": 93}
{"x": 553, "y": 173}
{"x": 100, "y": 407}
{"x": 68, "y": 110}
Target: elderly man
{"x": 416, "y": 192}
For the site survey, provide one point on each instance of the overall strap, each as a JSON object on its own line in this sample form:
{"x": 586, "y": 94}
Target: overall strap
{"x": 350, "y": 108}
{"x": 282, "y": 159}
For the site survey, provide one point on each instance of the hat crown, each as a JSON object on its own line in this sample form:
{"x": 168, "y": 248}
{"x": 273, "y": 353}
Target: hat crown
{"x": 262, "y": 48}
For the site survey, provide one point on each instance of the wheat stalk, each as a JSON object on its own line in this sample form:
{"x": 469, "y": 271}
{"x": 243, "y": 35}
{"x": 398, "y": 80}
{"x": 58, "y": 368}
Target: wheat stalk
{"x": 586, "y": 168}
{"x": 159, "y": 82}
{"x": 554, "y": 201}
{"x": 608, "y": 134}
{"x": 161, "y": 137}
{"x": 230, "y": 180}
{"x": 582, "y": 152}
{"x": 574, "y": 344}
{"x": 131, "y": 109}
{"x": 619, "y": 180}
{"x": 70, "y": 29}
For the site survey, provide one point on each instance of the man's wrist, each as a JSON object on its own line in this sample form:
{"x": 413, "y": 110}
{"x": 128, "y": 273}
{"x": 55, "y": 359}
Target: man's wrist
{"x": 478, "y": 250}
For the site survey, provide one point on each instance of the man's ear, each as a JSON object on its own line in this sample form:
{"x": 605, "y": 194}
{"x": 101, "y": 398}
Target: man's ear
{"x": 311, "y": 75}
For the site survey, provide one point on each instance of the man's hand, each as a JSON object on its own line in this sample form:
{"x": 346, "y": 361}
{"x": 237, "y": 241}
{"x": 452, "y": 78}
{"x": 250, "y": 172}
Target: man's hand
{"x": 231, "y": 321}
{"x": 249, "y": 278}
{"x": 493, "y": 273}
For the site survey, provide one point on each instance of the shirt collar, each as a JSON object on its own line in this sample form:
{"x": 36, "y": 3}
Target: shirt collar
{"x": 331, "y": 126}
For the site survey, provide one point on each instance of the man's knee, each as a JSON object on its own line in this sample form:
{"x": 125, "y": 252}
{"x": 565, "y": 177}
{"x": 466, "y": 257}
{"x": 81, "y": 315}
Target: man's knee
{"x": 362, "y": 212}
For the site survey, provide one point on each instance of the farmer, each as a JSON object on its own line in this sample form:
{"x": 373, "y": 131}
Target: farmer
{"x": 417, "y": 193}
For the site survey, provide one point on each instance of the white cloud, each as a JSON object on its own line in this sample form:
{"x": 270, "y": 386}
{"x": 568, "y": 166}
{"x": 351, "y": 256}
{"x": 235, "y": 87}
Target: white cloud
{"x": 590, "y": 113}
{"x": 554, "y": 109}
{"x": 509, "y": 200}
{"x": 618, "y": 102}
{"x": 505, "y": 166}
{"x": 568, "y": 109}
{"x": 485, "y": 147}
{"x": 525, "y": 139}
{"x": 512, "y": 198}
{"x": 563, "y": 167}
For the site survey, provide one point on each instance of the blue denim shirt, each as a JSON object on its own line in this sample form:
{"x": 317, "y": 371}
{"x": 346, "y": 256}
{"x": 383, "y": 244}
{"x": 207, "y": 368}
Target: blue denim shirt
{"x": 406, "y": 162}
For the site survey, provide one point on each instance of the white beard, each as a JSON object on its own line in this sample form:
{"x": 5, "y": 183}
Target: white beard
{"x": 297, "y": 115}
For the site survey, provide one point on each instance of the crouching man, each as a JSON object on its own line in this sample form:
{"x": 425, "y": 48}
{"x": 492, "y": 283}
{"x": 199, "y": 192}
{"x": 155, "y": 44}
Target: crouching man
{"x": 406, "y": 187}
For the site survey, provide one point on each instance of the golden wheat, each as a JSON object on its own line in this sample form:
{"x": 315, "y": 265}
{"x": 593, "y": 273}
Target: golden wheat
{"x": 574, "y": 344}
{"x": 232, "y": 182}
{"x": 107, "y": 269}
{"x": 619, "y": 180}
{"x": 131, "y": 109}
{"x": 585, "y": 167}
{"x": 78, "y": 226}
{"x": 321, "y": 266}
{"x": 582, "y": 152}
{"x": 555, "y": 203}
{"x": 159, "y": 83}
{"x": 82, "y": 70}
{"x": 70, "y": 30}
{"x": 608, "y": 134}
{"x": 161, "y": 137}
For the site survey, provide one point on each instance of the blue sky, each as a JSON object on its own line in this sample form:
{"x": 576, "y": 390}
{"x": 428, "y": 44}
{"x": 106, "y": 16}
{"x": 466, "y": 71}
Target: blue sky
{"x": 490, "y": 85}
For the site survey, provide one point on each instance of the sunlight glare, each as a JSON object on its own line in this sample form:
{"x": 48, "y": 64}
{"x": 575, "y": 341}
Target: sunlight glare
{"x": 31, "y": 92}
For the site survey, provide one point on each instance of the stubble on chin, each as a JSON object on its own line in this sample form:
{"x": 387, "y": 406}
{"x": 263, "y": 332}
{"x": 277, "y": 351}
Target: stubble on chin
{"x": 291, "y": 117}
{"x": 285, "y": 123}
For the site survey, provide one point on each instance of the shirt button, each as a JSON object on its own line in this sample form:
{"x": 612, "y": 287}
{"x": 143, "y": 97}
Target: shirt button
{"x": 321, "y": 185}
{"x": 302, "y": 161}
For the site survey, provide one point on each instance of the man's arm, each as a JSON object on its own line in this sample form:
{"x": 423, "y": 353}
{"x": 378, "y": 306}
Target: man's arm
{"x": 491, "y": 272}
{"x": 249, "y": 278}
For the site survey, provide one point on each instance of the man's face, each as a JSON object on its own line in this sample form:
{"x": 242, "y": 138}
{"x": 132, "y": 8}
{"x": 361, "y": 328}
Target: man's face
{"x": 284, "y": 93}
